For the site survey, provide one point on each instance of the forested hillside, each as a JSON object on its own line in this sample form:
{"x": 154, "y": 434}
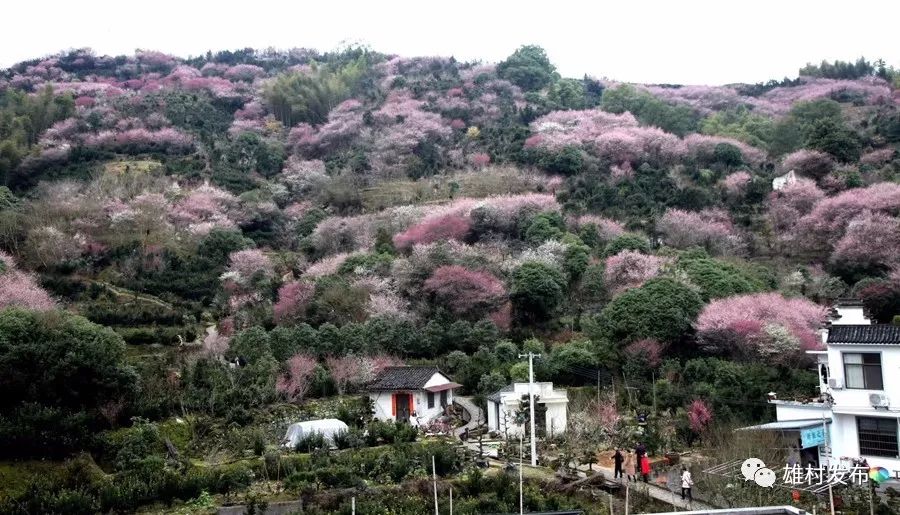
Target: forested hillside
{"x": 236, "y": 236}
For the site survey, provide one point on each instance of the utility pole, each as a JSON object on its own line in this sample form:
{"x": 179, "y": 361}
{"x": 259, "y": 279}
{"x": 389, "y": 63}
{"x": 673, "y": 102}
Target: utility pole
{"x": 828, "y": 457}
{"x": 434, "y": 474}
{"x": 531, "y": 357}
{"x": 521, "y": 495}
{"x": 627, "y": 499}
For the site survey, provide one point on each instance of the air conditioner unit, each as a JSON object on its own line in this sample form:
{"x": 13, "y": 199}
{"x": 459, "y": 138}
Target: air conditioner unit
{"x": 835, "y": 383}
{"x": 879, "y": 400}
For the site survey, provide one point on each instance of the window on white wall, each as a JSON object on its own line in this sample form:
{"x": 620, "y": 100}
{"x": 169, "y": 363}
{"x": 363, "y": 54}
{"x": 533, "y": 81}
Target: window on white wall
{"x": 863, "y": 370}
{"x": 877, "y": 436}
{"x": 430, "y": 400}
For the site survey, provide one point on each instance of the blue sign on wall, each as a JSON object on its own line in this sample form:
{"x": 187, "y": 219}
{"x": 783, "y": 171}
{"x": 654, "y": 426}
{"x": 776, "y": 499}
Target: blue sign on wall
{"x": 812, "y": 437}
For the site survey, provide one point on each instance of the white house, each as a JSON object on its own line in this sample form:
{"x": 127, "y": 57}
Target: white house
{"x": 416, "y": 395}
{"x": 859, "y": 375}
{"x": 549, "y": 409}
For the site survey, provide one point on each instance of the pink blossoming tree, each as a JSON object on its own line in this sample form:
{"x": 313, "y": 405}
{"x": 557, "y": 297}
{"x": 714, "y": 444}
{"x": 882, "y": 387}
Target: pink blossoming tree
{"x": 441, "y": 228}
{"x": 294, "y": 384}
{"x": 766, "y": 325}
{"x": 826, "y": 224}
{"x": 699, "y": 416}
{"x": 711, "y": 229}
{"x": 735, "y": 185}
{"x": 630, "y": 269}
{"x": 788, "y": 205}
{"x": 808, "y": 163}
{"x": 651, "y": 350}
{"x": 871, "y": 240}
{"x": 293, "y": 298}
{"x": 469, "y": 293}
{"x": 18, "y": 288}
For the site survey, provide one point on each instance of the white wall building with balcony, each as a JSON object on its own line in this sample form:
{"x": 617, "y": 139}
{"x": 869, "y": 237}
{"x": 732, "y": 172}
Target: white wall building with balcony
{"x": 859, "y": 377}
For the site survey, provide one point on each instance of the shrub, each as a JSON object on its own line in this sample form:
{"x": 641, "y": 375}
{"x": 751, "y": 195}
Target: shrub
{"x": 311, "y": 442}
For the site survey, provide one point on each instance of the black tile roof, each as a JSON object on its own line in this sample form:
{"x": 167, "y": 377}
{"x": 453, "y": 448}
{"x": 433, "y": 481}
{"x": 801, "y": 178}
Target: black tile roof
{"x": 403, "y": 378}
{"x": 876, "y": 334}
{"x": 495, "y": 397}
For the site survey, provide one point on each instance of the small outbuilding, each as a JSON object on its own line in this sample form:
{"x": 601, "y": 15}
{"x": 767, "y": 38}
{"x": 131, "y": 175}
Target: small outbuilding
{"x": 327, "y": 427}
{"x": 550, "y": 407}
{"x": 417, "y": 395}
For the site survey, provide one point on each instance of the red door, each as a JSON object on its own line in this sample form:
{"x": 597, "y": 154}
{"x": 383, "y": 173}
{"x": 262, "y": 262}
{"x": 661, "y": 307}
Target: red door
{"x": 402, "y": 401}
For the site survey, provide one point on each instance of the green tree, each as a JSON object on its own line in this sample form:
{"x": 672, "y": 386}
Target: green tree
{"x": 537, "y": 290}
{"x": 218, "y": 244}
{"x": 717, "y": 278}
{"x": 23, "y": 118}
{"x": 528, "y": 67}
{"x": 568, "y": 160}
{"x": 728, "y": 155}
{"x": 627, "y": 242}
{"x": 886, "y": 122}
{"x": 662, "y": 309}
{"x": 741, "y": 124}
{"x": 250, "y": 345}
{"x": 490, "y": 383}
{"x": 834, "y": 138}
{"x": 576, "y": 258}
{"x": 650, "y": 110}
{"x": 57, "y": 371}
{"x": 794, "y": 131}
{"x": 249, "y": 153}
{"x": 840, "y": 69}
{"x": 543, "y": 227}
{"x": 518, "y": 372}
{"x": 572, "y": 356}
{"x": 571, "y": 94}
{"x": 296, "y": 97}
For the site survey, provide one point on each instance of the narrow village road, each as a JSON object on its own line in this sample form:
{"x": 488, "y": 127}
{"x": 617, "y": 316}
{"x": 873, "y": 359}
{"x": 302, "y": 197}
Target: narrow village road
{"x": 476, "y": 415}
{"x": 667, "y": 491}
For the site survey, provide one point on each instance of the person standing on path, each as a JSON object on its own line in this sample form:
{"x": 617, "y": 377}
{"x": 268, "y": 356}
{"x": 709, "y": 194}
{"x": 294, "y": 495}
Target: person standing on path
{"x": 629, "y": 466}
{"x": 645, "y": 467}
{"x": 687, "y": 482}
{"x": 617, "y": 460}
